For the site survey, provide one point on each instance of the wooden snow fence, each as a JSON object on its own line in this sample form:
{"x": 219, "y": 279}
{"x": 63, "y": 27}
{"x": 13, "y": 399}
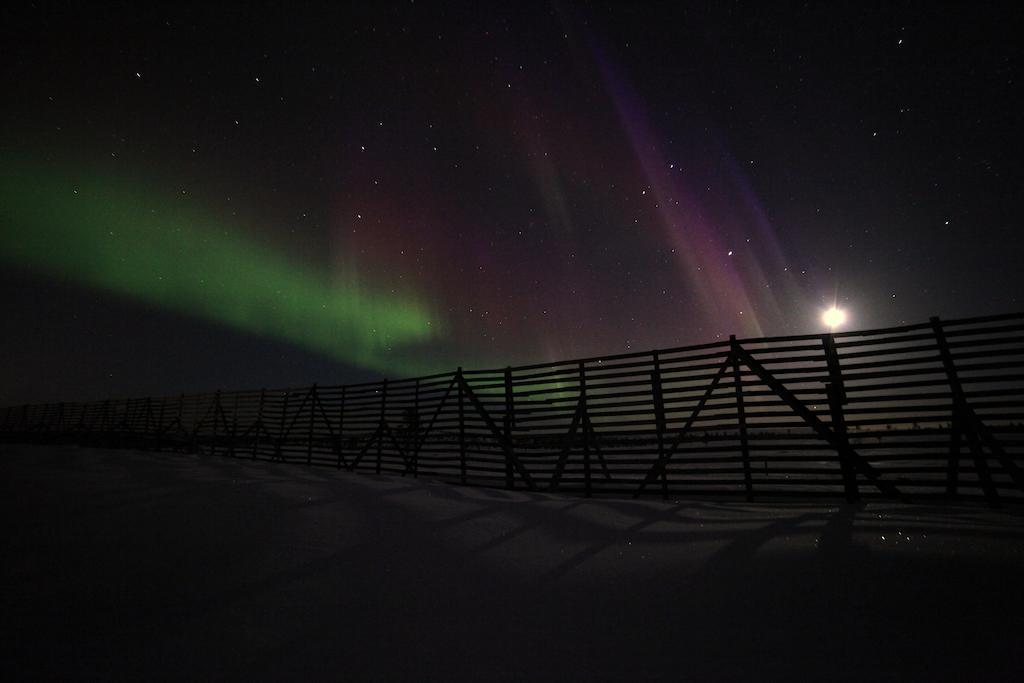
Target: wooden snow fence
{"x": 928, "y": 410}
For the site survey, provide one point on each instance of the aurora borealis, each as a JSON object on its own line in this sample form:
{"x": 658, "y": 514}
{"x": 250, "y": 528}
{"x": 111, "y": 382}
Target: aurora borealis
{"x": 114, "y": 237}
{"x": 327, "y": 193}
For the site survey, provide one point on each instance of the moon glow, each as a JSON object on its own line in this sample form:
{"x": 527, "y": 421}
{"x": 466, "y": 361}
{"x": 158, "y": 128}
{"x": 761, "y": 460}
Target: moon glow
{"x": 833, "y": 317}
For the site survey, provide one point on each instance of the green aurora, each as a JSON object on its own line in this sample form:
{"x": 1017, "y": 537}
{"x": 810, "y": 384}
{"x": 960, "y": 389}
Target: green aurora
{"x": 120, "y": 237}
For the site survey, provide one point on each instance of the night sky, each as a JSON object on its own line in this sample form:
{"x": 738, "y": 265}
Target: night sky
{"x": 208, "y": 197}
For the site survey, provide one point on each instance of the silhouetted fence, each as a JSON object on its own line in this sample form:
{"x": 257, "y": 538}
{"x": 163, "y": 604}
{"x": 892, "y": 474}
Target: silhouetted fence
{"x": 934, "y": 409}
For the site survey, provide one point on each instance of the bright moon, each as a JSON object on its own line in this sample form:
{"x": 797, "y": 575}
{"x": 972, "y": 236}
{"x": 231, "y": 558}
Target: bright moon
{"x": 833, "y": 317}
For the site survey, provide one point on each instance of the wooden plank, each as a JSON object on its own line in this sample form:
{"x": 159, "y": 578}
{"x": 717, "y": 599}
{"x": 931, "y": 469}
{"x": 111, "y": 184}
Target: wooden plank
{"x": 741, "y": 419}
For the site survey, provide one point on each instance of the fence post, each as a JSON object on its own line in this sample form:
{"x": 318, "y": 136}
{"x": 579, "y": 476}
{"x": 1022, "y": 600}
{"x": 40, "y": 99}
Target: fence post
{"x": 462, "y": 428}
{"x": 160, "y": 424}
{"x": 140, "y": 423}
{"x": 278, "y": 453}
{"x": 510, "y": 418}
{"x": 836, "y": 393}
{"x": 953, "y": 464}
{"x": 259, "y": 424}
{"x": 139, "y": 420}
{"x": 125, "y": 425}
{"x": 585, "y": 422}
{"x": 383, "y": 421}
{"x": 961, "y": 425}
{"x": 234, "y": 427}
{"x": 181, "y": 411}
{"x": 122, "y": 425}
{"x": 217, "y": 413}
{"x": 309, "y": 440}
{"x": 195, "y": 424}
{"x": 741, "y": 416}
{"x": 131, "y": 416}
{"x": 80, "y": 423}
{"x": 659, "y": 418}
{"x": 415, "y": 428}
{"x": 341, "y": 428}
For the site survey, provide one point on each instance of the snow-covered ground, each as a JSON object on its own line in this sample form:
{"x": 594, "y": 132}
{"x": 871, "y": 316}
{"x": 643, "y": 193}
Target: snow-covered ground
{"x": 122, "y": 564}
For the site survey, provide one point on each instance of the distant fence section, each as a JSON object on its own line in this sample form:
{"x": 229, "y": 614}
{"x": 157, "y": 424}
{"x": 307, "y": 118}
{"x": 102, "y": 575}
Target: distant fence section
{"x": 927, "y": 410}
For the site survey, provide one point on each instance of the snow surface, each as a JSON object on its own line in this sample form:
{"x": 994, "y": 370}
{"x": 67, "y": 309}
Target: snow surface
{"x": 122, "y": 564}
